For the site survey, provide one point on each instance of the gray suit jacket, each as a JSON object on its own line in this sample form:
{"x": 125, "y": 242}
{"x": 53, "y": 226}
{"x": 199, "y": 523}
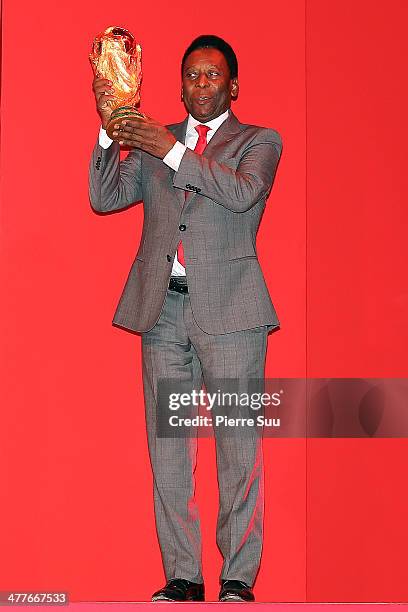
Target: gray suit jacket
{"x": 228, "y": 184}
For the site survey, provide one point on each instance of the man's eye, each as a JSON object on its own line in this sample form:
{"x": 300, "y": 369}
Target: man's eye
{"x": 191, "y": 75}
{"x": 213, "y": 73}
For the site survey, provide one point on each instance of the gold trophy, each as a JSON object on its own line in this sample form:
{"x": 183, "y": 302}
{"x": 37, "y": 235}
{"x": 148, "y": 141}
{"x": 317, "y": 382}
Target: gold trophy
{"x": 116, "y": 56}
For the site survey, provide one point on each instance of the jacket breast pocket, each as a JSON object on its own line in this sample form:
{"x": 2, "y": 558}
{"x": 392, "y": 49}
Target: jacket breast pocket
{"x": 243, "y": 258}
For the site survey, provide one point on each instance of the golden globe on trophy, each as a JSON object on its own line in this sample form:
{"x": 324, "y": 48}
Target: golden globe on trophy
{"x": 116, "y": 56}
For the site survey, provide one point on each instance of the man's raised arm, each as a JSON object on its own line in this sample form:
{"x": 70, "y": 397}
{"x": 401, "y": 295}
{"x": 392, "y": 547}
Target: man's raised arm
{"x": 113, "y": 184}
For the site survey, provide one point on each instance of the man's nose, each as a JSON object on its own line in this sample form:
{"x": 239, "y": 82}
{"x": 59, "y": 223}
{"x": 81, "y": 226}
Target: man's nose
{"x": 202, "y": 80}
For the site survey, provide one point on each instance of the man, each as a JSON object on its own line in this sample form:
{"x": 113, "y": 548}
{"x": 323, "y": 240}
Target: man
{"x": 196, "y": 293}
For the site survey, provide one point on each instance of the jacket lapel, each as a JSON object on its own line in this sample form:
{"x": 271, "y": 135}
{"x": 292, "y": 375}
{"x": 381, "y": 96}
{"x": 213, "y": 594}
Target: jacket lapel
{"x": 227, "y": 130}
{"x": 179, "y": 131}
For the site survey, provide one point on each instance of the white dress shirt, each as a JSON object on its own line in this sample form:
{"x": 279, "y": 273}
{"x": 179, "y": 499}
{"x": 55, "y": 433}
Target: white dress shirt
{"x": 175, "y": 155}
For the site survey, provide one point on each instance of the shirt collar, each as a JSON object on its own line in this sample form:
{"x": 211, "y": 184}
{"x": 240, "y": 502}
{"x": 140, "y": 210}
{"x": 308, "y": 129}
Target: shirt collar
{"x": 214, "y": 124}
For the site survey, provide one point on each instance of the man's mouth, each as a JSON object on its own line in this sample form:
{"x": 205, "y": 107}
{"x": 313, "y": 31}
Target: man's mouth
{"x": 203, "y": 99}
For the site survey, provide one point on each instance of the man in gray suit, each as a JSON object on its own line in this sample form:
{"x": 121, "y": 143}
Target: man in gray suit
{"x": 197, "y": 295}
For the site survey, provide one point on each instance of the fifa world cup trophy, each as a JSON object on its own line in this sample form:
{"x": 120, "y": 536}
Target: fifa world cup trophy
{"x": 116, "y": 56}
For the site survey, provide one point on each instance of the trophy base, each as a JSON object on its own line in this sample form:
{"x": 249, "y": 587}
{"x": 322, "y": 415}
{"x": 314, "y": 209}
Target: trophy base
{"x": 120, "y": 113}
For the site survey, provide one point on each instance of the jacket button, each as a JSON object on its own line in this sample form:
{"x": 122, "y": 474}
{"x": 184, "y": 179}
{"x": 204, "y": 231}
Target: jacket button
{"x": 168, "y": 257}
{"x": 182, "y": 227}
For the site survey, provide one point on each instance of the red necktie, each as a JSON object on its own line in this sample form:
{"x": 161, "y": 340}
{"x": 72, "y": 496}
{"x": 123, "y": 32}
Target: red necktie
{"x": 199, "y": 148}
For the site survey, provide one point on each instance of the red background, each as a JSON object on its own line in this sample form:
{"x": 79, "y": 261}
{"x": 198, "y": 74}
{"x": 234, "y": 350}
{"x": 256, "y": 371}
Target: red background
{"x": 77, "y": 512}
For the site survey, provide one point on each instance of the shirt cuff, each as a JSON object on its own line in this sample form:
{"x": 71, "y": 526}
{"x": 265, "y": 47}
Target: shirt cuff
{"x": 104, "y": 139}
{"x": 175, "y": 155}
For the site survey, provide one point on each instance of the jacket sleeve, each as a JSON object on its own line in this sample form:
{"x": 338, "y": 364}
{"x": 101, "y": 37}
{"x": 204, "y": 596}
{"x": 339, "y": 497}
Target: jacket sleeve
{"x": 240, "y": 189}
{"x": 114, "y": 184}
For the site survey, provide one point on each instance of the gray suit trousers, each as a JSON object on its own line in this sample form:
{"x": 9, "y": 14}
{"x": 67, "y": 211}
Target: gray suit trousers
{"x": 176, "y": 348}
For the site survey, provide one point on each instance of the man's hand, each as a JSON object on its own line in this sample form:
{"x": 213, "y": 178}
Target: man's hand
{"x": 146, "y": 134}
{"x": 102, "y": 89}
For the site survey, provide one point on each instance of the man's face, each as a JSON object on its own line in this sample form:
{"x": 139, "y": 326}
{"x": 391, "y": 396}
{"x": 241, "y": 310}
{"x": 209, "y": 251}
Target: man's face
{"x": 207, "y": 86}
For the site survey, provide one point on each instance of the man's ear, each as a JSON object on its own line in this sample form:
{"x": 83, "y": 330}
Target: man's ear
{"x": 182, "y": 94}
{"x": 234, "y": 88}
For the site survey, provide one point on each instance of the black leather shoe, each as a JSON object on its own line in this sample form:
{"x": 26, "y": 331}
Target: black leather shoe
{"x": 179, "y": 589}
{"x": 235, "y": 590}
